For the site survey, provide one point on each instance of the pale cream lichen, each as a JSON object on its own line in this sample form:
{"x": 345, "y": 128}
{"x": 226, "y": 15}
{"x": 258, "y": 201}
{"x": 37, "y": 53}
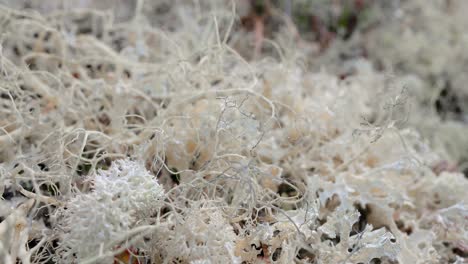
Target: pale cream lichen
{"x": 176, "y": 138}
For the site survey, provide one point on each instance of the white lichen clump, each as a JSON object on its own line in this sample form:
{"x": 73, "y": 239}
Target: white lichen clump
{"x": 121, "y": 198}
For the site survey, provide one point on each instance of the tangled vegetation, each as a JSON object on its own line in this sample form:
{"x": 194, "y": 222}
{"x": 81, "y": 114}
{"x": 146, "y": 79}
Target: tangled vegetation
{"x": 234, "y": 132}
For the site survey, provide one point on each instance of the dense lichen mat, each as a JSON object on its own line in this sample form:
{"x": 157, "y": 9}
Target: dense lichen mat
{"x": 233, "y": 132}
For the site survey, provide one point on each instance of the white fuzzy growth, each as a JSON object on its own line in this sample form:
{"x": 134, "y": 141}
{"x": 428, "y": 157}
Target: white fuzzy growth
{"x": 202, "y": 236}
{"x": 94, "y": 220}
{"x": 129, "y": 185}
